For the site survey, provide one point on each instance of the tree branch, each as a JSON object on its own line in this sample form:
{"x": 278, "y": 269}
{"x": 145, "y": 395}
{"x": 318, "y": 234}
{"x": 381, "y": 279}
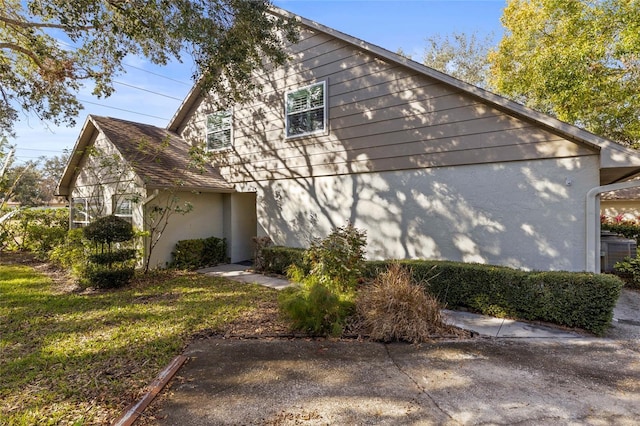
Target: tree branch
{"x": 25, "y": 24}
{"x": 26, "y": 52}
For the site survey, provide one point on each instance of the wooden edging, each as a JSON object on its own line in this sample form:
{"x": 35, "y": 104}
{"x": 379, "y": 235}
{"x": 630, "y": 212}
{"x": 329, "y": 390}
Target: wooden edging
{"x": 134, "y": 411}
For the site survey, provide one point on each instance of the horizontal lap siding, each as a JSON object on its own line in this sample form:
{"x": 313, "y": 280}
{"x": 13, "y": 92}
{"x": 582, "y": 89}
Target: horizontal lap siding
{"x": 382, "y": 117}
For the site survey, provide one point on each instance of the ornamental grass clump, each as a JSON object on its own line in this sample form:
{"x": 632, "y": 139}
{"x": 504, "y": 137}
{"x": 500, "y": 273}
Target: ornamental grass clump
{"x": 396, "y": 308}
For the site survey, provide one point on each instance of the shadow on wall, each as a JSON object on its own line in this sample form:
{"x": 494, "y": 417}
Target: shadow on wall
{"x": 427, "y": 170}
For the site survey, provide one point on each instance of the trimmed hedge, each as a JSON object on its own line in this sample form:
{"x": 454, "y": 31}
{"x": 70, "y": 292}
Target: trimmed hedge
{"x": 200, "y": 253}
{"x": 278, "y": 258}
{"x": 572, "y": 299}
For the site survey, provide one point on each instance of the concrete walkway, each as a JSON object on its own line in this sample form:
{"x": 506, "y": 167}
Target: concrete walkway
{"x": 481, "y": 324}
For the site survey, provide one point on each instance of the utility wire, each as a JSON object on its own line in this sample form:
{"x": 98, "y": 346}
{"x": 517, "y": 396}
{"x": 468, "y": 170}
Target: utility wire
{"x": 156, "y": 74}
{"x": 122, "y": 109}
{"x": 146, "y": 90}
{"x": 40, "y": 150}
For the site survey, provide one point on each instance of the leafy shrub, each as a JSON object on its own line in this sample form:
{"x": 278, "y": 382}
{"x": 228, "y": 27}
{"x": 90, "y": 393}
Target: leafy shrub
{"x": 36, "y": 230}
{"x": 315, "y": 309}
{"x": 324, "y": 297}
{"x": 108, "y": 230}
{"x": 629, "y": 271}
{"x": 395, "y": 307}
{"x": 277, "y": 259}
{"x": 71, "y": 253}
{"x": 109, "y": 267}
{"x": 199, "y": 253}
{"x": 109, "y": 258}
{"x": 573, "y": 299}
{"x": 338, "y": 259}
{"x": 100, "y": 276}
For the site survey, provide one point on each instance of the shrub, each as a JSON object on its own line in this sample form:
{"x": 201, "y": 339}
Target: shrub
{"x": 324, "y": 297}
{"x": 72, "y": 253}
{"x": 199, "y": 253}
{"x": 36, "y": 230}
{"x": 573, "y": 299}
{"x": 277, "y": 259}
{"x": 100, "y": 276}
{"x": 396, "y": 307}
{"x": 109, "y": 267}
{"x": 315, "y": 309}
{"x": 629, "y": 271}
{"x": 338, "y": 259}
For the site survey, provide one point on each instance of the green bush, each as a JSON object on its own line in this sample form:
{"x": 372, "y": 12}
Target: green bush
{"x": 315, "y": 309}
{"x": 109, "y": 258}
{"x": 108, "y": 230}
{"x": 109, "y": 267}
{"x": 629, "y": 271}
{"x": 325, "y": 294}
{"x": 338, "y": 259}
{"x": 100, "y": 276}
{"x": 277, "y": 259}
{"x": 566, "y": 298}
{"x": 72, "y": 253}
{"x": 199, "y": 253}
{"x": 36, "y": 230}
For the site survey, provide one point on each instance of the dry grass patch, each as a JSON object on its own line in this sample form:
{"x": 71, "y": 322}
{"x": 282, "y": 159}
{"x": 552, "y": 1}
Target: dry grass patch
{"x": 396, "y": 308}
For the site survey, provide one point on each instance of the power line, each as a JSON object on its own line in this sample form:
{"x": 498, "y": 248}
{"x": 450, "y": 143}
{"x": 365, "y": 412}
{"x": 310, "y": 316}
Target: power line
{"x": 40, "y": 150}
{"x": 146, "y": 90}
{"x": 125, "y": 110}
{"x": 156, "y": 74}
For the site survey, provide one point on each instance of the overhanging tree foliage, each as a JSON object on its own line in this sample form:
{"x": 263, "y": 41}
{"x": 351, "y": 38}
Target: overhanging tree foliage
{"x": 578, "y": 60}
{"x": 461, "y": 55}
{"x": 48, "y": 48}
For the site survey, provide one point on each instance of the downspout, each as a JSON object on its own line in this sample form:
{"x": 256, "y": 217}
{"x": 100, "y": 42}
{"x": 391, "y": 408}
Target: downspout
{"x": 592, "y": 263}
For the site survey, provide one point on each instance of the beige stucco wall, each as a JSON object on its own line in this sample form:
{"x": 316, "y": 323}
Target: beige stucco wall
{"x": 427, "y": 170}
{"x": 203, "y": 221}
{"x": 520, "y": 214}
{"x": 630, "y": 209}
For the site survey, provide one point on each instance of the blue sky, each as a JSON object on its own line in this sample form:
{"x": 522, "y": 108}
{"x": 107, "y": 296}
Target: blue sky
{"x": 386, "y": 23}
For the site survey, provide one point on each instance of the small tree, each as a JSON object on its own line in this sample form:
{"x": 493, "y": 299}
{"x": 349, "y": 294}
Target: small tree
{"x": 109, "y": 265}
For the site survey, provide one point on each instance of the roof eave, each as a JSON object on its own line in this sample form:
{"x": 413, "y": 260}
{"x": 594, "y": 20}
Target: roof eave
{"x": 86, "y": 134}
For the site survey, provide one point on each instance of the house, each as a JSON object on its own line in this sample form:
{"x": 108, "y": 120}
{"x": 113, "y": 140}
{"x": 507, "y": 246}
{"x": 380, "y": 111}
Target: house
{"x": 624, "y": 203}
{"x": 429, "y": 166}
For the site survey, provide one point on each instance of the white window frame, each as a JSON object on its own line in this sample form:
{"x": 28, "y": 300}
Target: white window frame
{"x": 116, "y": 201}
{"x": 306, "y": 110}
{"x": 224, "y": 128}
{"x": 75, "y": 211}
{"x": 88, "y": 204}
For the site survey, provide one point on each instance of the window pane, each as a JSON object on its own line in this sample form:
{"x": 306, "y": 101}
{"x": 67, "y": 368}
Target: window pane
{"x": 219, "y": 130}
{"x": 306, "y": 110}
{"x": 219, "y": 140}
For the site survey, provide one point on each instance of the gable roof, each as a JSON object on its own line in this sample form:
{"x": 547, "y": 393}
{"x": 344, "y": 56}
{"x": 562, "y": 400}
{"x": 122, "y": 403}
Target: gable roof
{"x": 617, "y": 162}
{"x": 158, "y": 156}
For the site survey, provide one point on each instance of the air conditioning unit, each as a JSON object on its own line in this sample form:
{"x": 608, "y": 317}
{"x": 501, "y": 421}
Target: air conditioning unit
{"x": 614, "y": 248}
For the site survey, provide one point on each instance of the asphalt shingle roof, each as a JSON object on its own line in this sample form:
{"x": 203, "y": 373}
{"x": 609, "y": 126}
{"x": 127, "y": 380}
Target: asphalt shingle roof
{"x": 160, "y": 157}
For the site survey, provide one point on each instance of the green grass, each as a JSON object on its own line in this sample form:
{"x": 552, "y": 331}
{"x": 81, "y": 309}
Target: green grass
{"x": 69, "y": 358}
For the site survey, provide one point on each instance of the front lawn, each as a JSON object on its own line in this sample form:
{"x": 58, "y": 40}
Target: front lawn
{"x": 81, "y": 358}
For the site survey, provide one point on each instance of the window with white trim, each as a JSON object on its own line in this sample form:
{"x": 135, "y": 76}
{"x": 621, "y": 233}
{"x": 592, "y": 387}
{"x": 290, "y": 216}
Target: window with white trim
{"x": 219, "y": 130}
{"x": 306, "y": 110}
{"x": 84, "y": 210}
{"x": 123, "y": 207}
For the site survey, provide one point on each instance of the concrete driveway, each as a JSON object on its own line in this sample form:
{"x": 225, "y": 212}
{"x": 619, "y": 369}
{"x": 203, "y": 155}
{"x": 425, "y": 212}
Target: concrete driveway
{"x": 479, "y": 381}
{"x": 530, "y": 381}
